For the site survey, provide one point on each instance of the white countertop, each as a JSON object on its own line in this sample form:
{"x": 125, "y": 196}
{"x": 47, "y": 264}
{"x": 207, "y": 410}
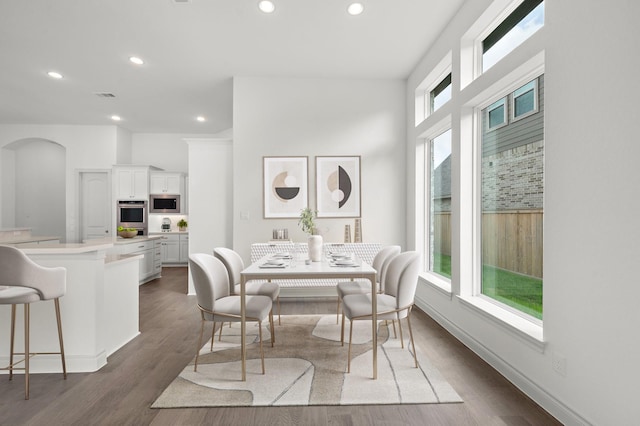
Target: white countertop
{"x": 66, "y": 248}
{"x": 29, "y": 239}
{"x": 120, "y": 240}
{"x": 168, "y": 233}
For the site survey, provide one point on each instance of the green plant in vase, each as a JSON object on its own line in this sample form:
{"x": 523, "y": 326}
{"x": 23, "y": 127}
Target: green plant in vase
{"x": 307, "y": 223}
{"x": 182, "y": 224}
{"x": 307, "y": 220}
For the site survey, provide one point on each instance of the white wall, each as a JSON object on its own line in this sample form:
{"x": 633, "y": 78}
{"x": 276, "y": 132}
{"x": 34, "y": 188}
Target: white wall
{"x": 165, "y": 150}
{"x": 591, "y": 286}
{"x": 40, "y": 172}
{"x": 210, "y": 195}
{"x": 87, "y": 147}
{"x": 317, "y": 117}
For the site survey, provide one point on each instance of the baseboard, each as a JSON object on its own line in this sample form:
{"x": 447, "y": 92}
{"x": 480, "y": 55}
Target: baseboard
{"x": 545, "y": 400}
{"x": 51, "y": 363}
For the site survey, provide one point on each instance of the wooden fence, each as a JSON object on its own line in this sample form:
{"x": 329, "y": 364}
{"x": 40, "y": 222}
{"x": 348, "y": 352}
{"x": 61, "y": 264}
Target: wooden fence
{"x": 511, "y": 240}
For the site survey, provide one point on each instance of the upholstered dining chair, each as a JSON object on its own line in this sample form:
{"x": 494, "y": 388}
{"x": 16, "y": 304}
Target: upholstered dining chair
{"x": 401, "y": 280}
{"x": 234, "y": 264}
{"x": 23, "y": 282}
{"x": 216, "y": 304}
{"x": 364, "y": 286}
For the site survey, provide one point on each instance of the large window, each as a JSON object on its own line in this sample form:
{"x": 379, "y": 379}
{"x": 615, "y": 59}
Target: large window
{"x": 525, "y": 20}
{"x": 512, "y": 189}
{"x": 439, "y": 216}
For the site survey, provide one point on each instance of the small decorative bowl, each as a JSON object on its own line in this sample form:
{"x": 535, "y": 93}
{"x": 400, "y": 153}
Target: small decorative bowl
{"x": 127, "y": 234}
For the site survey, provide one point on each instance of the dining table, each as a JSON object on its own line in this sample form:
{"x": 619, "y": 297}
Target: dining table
{"x": 282, "y": 266}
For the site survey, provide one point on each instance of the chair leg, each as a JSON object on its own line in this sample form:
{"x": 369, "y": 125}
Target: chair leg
{"x": 213, "y": 334}
{"x": 349, "y": 351}
{"x": 56, "y": 302}
{"x": 13, "y": 335}
{"x": 26, "y": 349}
{"x": 401, "y": 338}
{"x": 199, "y": 345}
{"x": 220, "y": 334}
{"x": 415, "y": 352}
{"x": 261, "y": 350}
{"x": 338, "y": 310}
{"x": 342, "y": 332}
{"x": 395, "y": 335}
{"x": 272, "y": 328}
{"x": 279, "y": 313}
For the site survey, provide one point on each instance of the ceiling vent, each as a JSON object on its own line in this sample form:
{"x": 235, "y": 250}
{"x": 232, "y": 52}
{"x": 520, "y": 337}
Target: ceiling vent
{"x": 105, "y": 95}
{"x": 181, "y": 1}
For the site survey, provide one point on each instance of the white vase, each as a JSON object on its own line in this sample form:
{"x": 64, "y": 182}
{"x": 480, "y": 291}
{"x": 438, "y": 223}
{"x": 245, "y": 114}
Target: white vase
{"x": 315, "y": 248}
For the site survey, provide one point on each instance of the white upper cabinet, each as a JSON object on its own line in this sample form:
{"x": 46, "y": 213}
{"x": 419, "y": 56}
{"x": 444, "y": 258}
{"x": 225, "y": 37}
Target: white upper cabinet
{"x": 166, "y": 183}
{"x": 131, "y": 183}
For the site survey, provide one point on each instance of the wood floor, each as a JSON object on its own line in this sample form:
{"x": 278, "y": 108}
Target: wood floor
{"x": 122, "y": 391}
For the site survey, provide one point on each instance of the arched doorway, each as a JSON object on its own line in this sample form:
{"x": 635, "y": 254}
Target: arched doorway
{"x": 34, "y": 187}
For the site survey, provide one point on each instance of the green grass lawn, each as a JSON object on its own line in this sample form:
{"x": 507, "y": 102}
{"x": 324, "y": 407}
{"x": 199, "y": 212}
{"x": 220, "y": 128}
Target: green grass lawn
{"x": 518, "y": 291}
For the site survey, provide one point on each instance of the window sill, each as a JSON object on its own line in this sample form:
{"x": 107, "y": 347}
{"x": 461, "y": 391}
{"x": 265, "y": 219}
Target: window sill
{"x": 437, "y": 282}
{"x": 527, "y": 331}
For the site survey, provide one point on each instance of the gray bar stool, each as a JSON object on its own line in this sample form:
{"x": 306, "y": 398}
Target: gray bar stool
{"x": 22, "y": 281}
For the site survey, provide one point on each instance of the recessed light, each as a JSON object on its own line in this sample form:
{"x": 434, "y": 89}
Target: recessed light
{"x": 201, "y": 119}
{"x": 54, "y": 74}
{"x": 267, "y": 6}
{"x": 355, "y": 9}
{"x": 116, "y": 118}
{"x": 136, "y": 60}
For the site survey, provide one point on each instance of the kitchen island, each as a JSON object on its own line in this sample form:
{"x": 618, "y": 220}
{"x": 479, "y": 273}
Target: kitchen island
{"x": 99, "y": 309}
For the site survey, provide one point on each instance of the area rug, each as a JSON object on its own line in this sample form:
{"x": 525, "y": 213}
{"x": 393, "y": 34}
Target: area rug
{"x": 307, "y": 366}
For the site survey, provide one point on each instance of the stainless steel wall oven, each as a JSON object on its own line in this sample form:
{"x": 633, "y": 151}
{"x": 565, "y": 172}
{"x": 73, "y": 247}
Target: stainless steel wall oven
{"x": 133, "y": 214}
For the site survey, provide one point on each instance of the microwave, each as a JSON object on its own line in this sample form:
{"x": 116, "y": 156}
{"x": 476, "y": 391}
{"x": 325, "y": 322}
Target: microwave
{"x": 164, "y": 203}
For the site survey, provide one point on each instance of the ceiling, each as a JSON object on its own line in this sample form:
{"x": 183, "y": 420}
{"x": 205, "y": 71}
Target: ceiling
{"x": 191, "y": 51}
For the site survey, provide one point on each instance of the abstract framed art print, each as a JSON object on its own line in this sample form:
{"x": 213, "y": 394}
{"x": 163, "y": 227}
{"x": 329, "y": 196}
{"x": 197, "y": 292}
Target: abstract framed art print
{"x": 285, "y": 186}
{"x": 338, "y": 186}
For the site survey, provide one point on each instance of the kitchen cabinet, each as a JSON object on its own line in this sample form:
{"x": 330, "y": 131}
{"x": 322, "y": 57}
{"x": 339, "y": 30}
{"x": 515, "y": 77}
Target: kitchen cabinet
{"x": 175, "y": 249}
{"x": 166, "y": 183}
{"x": 131, "y": 182}
{"x": 170, "y": 249}
{"x": 184, "y": 248}
{"x": 151, "y": 263}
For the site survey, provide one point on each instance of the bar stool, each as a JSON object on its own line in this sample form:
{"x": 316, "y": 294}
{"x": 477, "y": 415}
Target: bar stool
{"x": 22, "y": 281}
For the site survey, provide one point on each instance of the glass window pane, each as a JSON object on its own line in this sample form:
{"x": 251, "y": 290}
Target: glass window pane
{"x": 441, "y": 94}
{"x": 512, "y": 188}
{"x": 440, "y": 205}
{"x": 514, "y": 38}
{"x": 496, "y": 116}
{"x": 524, "y": 103}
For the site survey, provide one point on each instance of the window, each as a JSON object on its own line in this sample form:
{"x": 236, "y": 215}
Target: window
{"x": 497, "y": 114}
{"x": 524, "y": 21}
{"x": 525, "y": 101}
{"x": 512, "y": 189}
{"x": 439, "y": 217}
{"x": 441, "y": 94}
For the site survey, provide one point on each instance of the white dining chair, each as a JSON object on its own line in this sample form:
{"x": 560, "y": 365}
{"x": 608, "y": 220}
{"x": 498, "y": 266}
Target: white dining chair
{"x": 234, "y": 264}
{"x": 216, "y": 304}
{"x": 401, "y": 280}
{"x": 23, "y": 282}
{"x": 381, "y": 258}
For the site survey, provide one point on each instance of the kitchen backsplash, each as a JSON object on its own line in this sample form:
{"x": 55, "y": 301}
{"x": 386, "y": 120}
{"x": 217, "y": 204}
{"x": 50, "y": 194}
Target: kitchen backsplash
{"x": 155, "y": 221}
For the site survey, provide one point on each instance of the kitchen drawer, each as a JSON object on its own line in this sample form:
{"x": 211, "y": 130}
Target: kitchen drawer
{"x": 137, "y": 247}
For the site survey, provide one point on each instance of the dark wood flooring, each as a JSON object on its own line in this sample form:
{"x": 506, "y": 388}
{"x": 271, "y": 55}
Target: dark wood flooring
{"x": 122, "y": 391}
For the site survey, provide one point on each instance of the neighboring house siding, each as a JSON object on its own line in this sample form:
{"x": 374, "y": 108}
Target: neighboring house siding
{"x": 512, "y": 164}
{"x": 521, "y": 132}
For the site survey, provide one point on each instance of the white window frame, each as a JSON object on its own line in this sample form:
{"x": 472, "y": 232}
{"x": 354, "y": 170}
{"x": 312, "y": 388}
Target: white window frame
{"x": 423, "y": 207}
{"x": 478, "y": 299}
